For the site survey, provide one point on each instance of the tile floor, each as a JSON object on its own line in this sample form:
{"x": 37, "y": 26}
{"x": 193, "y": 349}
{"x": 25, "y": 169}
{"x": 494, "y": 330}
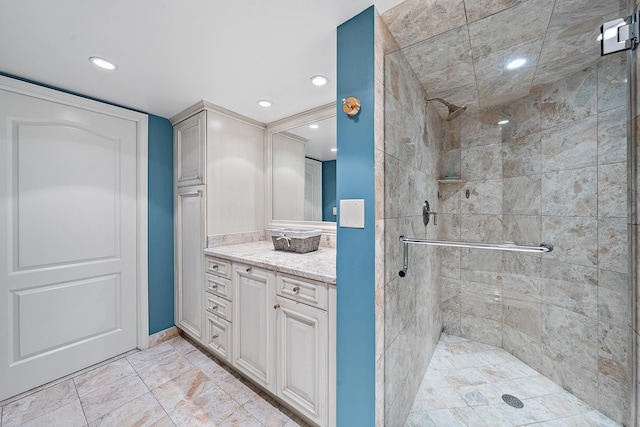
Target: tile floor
{"x": 466, "y": 379}
{"x": 170, "y": 384}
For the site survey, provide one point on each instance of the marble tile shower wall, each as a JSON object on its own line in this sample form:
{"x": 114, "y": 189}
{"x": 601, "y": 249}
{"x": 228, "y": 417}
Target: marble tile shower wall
{"x": 557, "y": 172}
{"x": 412, "y": 323}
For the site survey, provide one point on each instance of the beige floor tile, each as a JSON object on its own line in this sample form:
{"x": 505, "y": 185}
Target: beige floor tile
{"x": 143, "y": 411}
{"x": 181, "y": 345}
{"x": 239, "y": 390}
{"x": 32, "y": 406}
{"x": 151, "y": 355}
{"x": 69, "y": 415}
{"x": 267, "y": 412}
{"x": 240, "y": 418}
{"x": 172, "y": 366}
{"x": 91, "y": 381}
{"x": 193, "y": 399}
{"x": 164, "y": 422}
{"x": 111, "y": 397}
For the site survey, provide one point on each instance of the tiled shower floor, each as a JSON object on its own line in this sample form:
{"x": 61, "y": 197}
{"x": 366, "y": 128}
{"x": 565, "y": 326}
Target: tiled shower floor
{"x": 464, "y": 384}
{"x": 170, "y": 384}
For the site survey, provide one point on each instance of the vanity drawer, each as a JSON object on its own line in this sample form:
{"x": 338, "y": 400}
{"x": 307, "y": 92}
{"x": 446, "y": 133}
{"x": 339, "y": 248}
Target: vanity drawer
{"x": 219, "y": 267}
{"x": 219, "y": 286}
{"x": 218, "y": 338}
{"x": 302, "y": 290}
{"x": 219, "y": 306}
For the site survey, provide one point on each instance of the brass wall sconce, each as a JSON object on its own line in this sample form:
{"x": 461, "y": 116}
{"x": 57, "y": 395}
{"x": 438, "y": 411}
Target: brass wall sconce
{"x": 351, "y": 105}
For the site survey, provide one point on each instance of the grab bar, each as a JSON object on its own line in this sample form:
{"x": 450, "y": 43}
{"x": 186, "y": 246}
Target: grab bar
{"x": 543, "y": 247}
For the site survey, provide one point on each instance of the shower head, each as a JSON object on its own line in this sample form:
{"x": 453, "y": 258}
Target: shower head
{"x": 454, "y": 110}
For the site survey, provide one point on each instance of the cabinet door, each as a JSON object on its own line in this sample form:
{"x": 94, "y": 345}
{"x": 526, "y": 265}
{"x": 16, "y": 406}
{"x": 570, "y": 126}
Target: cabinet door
{"x": 301, "y": 341}
{"x": 190, "y": 147}
{"x": 253, "y": 320}
{"x": 189, "y": 241}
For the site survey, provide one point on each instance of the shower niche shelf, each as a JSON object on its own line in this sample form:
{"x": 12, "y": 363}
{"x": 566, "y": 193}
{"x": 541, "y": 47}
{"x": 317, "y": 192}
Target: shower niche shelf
{"x": 452, "y": 181}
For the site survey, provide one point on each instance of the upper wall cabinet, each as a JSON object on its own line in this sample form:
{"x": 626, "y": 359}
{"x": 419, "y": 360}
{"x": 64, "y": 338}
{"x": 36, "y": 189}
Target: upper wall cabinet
{"x": 190, "y": 138}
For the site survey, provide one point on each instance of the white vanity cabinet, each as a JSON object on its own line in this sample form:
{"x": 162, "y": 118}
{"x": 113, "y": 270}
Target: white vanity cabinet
{"x": 275, "y": 328}
{"x": 254, "y": 350}
{"x": 302, "y": 346}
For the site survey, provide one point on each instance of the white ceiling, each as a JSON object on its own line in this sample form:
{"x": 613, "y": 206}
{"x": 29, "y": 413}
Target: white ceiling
{"x": 172, "y": 54}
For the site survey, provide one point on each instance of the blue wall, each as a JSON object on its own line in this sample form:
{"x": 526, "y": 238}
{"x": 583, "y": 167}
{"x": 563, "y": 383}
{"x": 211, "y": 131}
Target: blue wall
{"x": 160, "y": 224}
{"x": 356, "y": 247}
{"x": 328, "y": 190}
{"x": 160, "y": 215}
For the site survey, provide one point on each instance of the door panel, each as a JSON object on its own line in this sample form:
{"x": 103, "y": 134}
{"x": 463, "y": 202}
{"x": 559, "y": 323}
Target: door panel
{"x": 68, "y": 239}
{"x": 190, "y": 243}
{"x": 70, "y": 174}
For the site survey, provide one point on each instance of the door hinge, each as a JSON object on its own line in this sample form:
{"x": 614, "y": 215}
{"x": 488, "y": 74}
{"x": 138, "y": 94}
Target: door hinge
{"x": 619, "y": 34}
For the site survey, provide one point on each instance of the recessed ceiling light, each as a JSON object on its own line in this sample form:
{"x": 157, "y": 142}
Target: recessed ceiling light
{"x": 334, "y": 149}
{"x": 265, "y": 103}
{"x": 503, "y": 122}
{"x": 319, "y": 80}
{"x": 103, "y": 63}
{"x": 516, "y": 63}
{"x": 314, "y": 126}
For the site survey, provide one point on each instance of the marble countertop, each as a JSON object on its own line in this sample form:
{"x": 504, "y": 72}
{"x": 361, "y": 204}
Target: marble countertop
{"x": 317, "y": 265}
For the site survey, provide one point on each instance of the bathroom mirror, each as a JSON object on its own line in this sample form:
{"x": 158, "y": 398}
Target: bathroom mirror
{"x": 301, "y": 167}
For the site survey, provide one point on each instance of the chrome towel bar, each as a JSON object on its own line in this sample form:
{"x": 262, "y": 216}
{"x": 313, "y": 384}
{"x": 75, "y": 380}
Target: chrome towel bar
{"x": 543, "y": 247}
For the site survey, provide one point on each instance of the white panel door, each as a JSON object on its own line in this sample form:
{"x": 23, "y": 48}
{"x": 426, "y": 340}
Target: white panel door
{"x": 68, "y": 285}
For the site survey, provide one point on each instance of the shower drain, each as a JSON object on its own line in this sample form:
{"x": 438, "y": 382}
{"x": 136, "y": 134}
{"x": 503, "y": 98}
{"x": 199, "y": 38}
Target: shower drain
{"x": 512, "y": 401}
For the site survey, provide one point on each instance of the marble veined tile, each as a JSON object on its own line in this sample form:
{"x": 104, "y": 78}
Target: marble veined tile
{"x": 37, "y": 404}
{"x": 108, "y": 374}
{"x": 240, "y": 418}
{"x": 181, "y": 345}
{"x": 575, "y": 239}
{"x": 522, "y": 195}
{"x": 165, "y": 370}
{"x": 522, "y": 156}
{"x": 612, "y": 136}
{"x": 572, "y": 192}
{"x": 69, "y": 415}
{"x": 240, "y": 390}
{"x": 266, "y": 411}
{"x": 151, "y": 355}
{"x": 143, "y": 411}
{"x": 478, "y": 9}
{"x": 106, "y": 399}
{"x": 415, "y": 20}
{"x": 482, "y": 162}
{"x": 570, "y": 146}
{"x": 612, "y": 190}
{"x": 193, "y": 399}
{"x": 612, "y": 82}
{"x": 570, "y": 99}
{"x": 536, "y": 13}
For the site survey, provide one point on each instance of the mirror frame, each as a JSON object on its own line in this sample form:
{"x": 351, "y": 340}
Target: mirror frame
{"x": 306, "y": 117}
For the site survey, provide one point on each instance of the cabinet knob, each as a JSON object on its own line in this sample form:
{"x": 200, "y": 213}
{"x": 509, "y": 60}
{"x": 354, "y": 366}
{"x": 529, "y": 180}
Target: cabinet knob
{"x": 249, "y": 269}
{"x": 296, "y": 289}
{"x": 214, "y": 307}
{"x": 215, "y": 266}
{"x": 214, "y": 286}
{"x": 277, "y": 306}
{"x": 214, "y": 337}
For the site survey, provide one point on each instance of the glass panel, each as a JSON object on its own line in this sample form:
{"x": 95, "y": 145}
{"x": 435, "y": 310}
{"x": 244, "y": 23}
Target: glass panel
{"x": 538, "y": 155}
